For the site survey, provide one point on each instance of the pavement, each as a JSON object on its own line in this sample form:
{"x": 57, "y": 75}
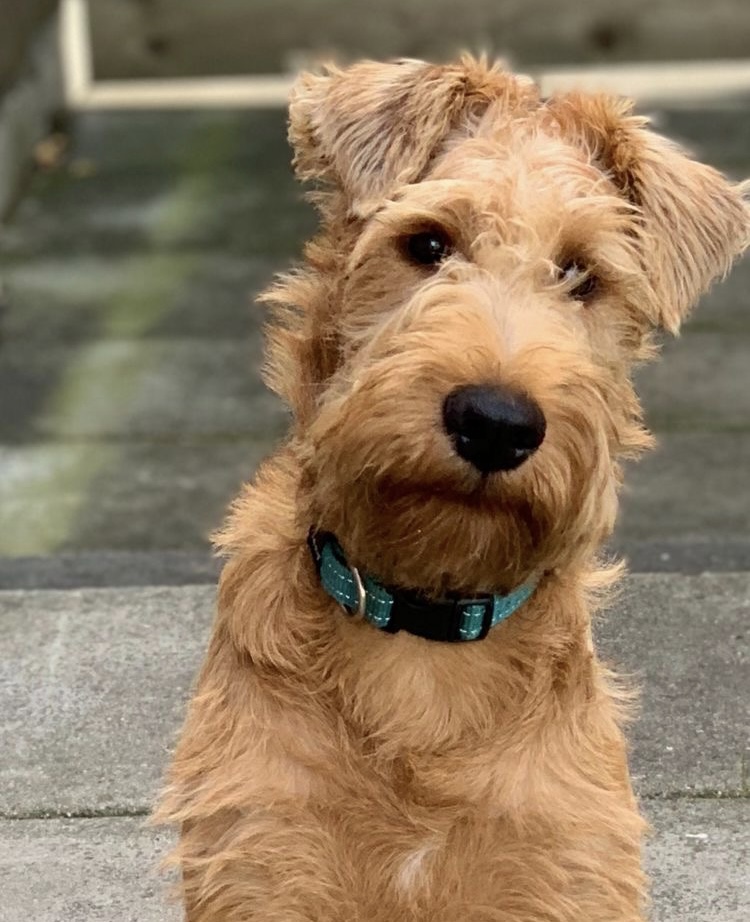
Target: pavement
{"x": 131, "y": 410}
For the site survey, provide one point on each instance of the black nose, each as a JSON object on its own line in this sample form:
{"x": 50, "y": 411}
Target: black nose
{"x": 493, "y": 428}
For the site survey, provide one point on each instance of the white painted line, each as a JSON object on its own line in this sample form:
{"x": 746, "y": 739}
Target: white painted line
{"x": 690, "y": 81}
{"x": 75, "y": 52}
{"x": 700, "y": 81}
{"x": 239, "y": 92}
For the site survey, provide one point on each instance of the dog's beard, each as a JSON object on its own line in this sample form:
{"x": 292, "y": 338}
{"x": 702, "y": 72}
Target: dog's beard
{"x": 410, "y": 512}
{"x": 382, "y": 473}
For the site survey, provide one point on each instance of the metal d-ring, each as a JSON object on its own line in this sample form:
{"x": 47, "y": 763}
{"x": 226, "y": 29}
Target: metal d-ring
{"x": 361, "y": 593}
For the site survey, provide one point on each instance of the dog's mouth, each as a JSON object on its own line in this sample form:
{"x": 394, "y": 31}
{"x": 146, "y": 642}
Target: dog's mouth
{"x": 468, "y": 492}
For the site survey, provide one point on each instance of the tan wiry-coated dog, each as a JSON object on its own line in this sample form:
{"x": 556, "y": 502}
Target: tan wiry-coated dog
{"x": 401, "y": 716}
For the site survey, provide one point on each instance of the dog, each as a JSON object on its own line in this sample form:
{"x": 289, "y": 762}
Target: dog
{"x": 401, "y": 716}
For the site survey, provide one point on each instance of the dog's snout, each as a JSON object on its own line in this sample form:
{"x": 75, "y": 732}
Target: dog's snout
{"x": 493, "y": 428}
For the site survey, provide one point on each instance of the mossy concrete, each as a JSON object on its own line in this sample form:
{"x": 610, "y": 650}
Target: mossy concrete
{"x": 141, "y": 494}
{"x": 131, "y": 405}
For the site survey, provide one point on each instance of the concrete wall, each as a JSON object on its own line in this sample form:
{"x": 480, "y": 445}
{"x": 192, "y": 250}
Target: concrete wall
{"x": 19, "y": 24}
{"x": 160, "y": 38}
{"x": 30, "y": 88}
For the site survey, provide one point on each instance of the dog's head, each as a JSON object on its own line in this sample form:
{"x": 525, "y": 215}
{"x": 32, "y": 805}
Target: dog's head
{"x": 458, "y": 349}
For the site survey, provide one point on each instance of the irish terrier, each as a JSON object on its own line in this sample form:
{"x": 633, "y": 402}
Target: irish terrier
{"x": 401, "y": 715}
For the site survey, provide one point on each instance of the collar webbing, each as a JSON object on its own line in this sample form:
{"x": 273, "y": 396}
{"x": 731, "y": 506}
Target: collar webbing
{"x": 392, "y": 610}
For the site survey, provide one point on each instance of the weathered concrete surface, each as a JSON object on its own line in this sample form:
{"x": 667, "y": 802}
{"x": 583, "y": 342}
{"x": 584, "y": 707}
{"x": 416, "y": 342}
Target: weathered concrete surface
{"x": 93, "y": 687}
{"x": 127, "y": 388}
{"x": 93, "y": 684}
{"x": 719, "y": 135}
{"x": 100, "y": 569}
{"x": 725, "y": 307}
{"x": 93, "y": 495}
{"x": 698, "y": 858}
{"x": 152, "y": 185}
{"x": 101, "y": 870}
{"x": 129, "y": 354}
{"x": 203, "y": 295}
{"x": 189, "y": 385}
{"x": 83, "y": 870}
{"x": 684, "y": 641}
{"x": 162, "y": 495}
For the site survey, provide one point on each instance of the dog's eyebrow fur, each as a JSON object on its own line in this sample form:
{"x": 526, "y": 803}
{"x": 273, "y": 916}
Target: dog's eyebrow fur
{"x": 694, "y": 222}
{"x": 374, "y": 126}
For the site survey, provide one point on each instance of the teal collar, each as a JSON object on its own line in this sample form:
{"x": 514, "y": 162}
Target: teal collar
{"x": 450, "y": 619}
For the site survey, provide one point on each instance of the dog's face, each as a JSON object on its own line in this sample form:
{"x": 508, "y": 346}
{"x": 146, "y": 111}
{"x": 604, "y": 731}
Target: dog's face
{"x": 491, "y": 266}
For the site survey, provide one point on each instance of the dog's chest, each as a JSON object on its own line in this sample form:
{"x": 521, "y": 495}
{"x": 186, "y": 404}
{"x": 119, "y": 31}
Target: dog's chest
{"x": 428, "y": 864}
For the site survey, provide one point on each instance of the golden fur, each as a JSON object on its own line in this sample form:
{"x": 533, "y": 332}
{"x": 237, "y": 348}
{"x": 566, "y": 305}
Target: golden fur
{"x": 331, "y": 772}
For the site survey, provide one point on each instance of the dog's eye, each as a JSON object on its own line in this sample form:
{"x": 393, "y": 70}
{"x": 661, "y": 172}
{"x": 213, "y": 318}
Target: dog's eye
{"x": 580, "y": 282}
{"x": 428, "y": 248}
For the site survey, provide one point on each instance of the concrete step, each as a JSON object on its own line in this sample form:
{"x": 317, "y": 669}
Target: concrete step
{"x": 93, "y": 684}
{"x": 105, "y": 869}
{"x": 83, "y": 870}
{"x": 105, "y": 569}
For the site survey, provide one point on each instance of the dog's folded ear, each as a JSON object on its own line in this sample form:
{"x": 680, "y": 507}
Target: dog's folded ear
{"x": 372, "y": 126}
{"x": 693, "y": 221}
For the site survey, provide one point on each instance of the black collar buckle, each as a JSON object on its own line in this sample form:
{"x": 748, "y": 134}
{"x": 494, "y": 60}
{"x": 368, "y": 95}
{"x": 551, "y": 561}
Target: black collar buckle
{"x": 437, "y": 620}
